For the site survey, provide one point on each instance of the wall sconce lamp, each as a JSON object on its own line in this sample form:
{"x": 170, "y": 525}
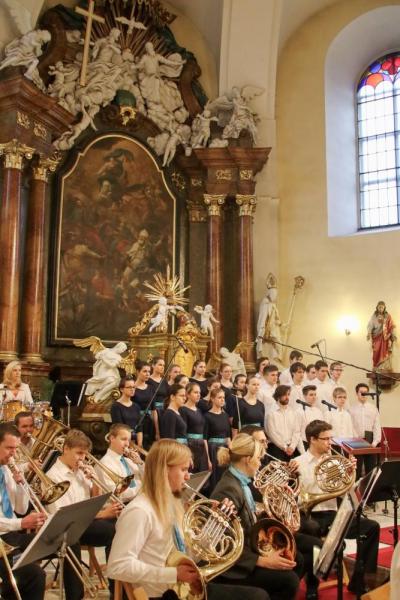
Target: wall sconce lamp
{"x": 348, "y": 324}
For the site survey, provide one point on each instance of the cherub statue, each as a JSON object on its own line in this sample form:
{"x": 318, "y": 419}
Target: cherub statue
{"x": 105, "y": 370}
{"x": 160, "y": 321}
{"x": 206, "y": 317}
{"x": 201, "y": 129}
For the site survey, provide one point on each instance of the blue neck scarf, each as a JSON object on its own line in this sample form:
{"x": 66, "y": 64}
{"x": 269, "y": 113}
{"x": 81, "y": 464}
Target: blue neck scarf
{"x": 128, "y": 471}
{"x": 244, "y": 482}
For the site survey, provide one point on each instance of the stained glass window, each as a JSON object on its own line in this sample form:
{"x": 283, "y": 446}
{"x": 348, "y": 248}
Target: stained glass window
{"x": 378, "y": 111}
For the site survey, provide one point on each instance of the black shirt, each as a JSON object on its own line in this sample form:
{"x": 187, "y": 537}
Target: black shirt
{"x": 143, "y": 397}
{"x": 202, "y": 385}
{"x": 250, "y": 414}
{"x": 172, "y": 425}
{"x": 162, "y": 393}
{"x": 217, "y": 425}
{"x": 129, "y": 415}
{"x": 194, "y": 419}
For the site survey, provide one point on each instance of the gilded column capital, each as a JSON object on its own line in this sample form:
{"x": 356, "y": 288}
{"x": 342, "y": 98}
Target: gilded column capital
{"x": 44, "y": 165}
{"x": 214, "y": 203}
{"x": 247, "y": 204}
{"x": 14, "y": 152}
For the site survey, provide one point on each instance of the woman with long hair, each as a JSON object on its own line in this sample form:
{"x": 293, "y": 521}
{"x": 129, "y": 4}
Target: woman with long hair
{"x": 125, "y": 410}
{"x": 217, "y": 432}
{"x": 274, "y": 573}
{"x": 198, "y": 376}
{"x": 261, "y": 363}
{"x": 143, "y": 398}
{"x": 225, "y": 378}
{"x": 13, "y": 388}
{"x": 150, "y": 529}
{"x": 205, "y": 404}
{"x": 172, "y": 425}
{"x": 160, "y": 390}
{"x": 250, "y": 410}
{"x": 194, "y": 420}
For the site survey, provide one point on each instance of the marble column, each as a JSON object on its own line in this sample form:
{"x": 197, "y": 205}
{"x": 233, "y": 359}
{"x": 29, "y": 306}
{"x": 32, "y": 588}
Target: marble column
{"x": 10, "y": 246}
{"x": 247, "y": 206}
{"x": 214, "y": 203}
{"x": 32, "y": 308}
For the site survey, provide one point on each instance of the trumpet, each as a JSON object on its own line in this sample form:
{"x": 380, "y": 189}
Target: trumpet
{"x": 39, "y": 507}
{"x": 121, "y": 483}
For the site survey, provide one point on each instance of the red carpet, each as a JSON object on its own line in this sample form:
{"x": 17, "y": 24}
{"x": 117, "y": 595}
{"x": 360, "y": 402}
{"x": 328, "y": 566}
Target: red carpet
{"x": 386, "y": 536}
{"x": 330, "y": 594}
{"x": 384, "y": 557}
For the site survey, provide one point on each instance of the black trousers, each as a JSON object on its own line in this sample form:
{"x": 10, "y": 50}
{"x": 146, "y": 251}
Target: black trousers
{"x": 279, "y": 584}
{"x": 280, "y": 454}
{"x": 31, "y": 580}
{"x": 368, "y": 461}
{"x": 305, "y": 544}
{"x": 369, "y": 531}
{"x": 218, "y": 591}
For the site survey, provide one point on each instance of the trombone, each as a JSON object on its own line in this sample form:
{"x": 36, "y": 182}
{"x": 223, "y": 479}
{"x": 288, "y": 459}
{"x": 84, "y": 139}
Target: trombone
{"x": 5, "y": 550}
{"x": 121, "y": 483}
{"x": 39, "y": 507}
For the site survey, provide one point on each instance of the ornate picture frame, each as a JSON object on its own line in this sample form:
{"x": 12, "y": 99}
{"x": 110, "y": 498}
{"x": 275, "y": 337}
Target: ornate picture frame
{"x": 115, "y": 226}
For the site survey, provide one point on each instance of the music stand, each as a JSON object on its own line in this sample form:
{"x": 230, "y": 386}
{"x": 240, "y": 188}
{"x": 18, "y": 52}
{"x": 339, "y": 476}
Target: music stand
{"x": 387, "y": 487}
{"x": 62, "y": 529}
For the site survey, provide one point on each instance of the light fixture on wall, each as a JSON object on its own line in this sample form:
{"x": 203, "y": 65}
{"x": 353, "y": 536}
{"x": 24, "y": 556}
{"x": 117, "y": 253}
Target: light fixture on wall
{"x": 348, "y": 324}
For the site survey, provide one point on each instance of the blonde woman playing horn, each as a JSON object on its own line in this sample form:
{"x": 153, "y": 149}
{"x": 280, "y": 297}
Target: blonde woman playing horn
{"x": 13, "y": 387}
{"x": 149, "y": 528}
{"x": 274, "y": 573}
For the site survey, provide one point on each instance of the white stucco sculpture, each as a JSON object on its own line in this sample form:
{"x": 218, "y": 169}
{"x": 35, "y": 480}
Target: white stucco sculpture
{"x": 201, "y": 129}
{"x": 269, "y": 325}
{"x": 160, "y": 321}
{"x": 234, "y": 360}
{"x": 206, "y": 319}
{"x": 25, "y": 52}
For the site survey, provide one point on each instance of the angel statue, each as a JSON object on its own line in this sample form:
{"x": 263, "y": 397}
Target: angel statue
{"x": 131, "y": 23}
{"x": 207, "y": 316}
{"x": 234, "y": 360}
{"x": 105, "y": 370}
{"x": 233, "y": 112}
{"x": 160, "y": 321}
{"x": 269, "y": 323}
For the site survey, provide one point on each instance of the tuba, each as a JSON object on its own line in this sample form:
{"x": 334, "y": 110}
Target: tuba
{"x": 48, "y": 491}
{"x": 50, "y": 431}
{"x": 335, "y": 475}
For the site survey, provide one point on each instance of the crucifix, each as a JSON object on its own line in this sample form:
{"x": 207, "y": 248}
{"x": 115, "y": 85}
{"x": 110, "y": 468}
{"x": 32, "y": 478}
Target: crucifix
{"x": 91, "y": 16}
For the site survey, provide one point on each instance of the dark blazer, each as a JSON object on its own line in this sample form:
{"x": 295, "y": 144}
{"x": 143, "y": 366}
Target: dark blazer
{"x": 229, "y": 487}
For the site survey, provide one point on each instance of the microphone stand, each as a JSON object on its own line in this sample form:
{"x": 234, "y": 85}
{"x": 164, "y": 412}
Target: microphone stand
{"x": 386, "y": 447}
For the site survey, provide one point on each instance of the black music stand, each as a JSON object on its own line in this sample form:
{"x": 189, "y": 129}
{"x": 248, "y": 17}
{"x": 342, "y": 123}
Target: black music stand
{"x": 62, "y": 529}
{"x": 387, "y": 487}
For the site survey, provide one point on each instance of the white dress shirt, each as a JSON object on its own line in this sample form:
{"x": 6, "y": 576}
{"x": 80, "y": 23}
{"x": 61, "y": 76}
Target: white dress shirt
{"x": 19, "y": 501}
{"x": 296, "y": 393}
{"x": 324, "y": 390}
{"x": 79, "y": 489}
{"x": 265, "y": 395}
{"x": 307, "y": 463}
{"x": 140, "y": 549}
{"x": 340, "y": 419}
{"x": 285, "y": 377}
{"x": 332, "y": 385}
{"x": 311, "y": 413}
{"x": 283, "y": 428}
{"x": 365, "y": 417}
{"x": 112, "y": 461}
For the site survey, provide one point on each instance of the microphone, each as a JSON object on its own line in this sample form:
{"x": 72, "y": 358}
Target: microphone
{"x": 182, "y": 344}
{"x": 317, "y": 343}
{"x": 329, "y": 405}
{"x": 372, "y": 394}
{"x": 303, "y": 403}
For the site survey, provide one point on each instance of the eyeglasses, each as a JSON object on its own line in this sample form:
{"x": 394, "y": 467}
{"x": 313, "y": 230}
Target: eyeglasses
{"x": 325, "y": 439}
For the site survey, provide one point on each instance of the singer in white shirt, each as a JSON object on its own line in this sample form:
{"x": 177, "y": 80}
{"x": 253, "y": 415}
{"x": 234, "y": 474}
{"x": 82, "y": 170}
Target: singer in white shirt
{"x": 283, "y": 426}
{"x": 285, "y": 377}
{"x": 322, "y": 382}
{"x": 340, "y": 419}
{"x": 268, "y": 385}
{"x": 307, "y": 414}
{"x": 367, "y": 425}
{"x": 297, "y": 371}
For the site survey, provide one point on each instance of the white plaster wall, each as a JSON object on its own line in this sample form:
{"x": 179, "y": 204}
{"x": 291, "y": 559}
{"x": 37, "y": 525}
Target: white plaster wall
{"x": 344, "y": 275}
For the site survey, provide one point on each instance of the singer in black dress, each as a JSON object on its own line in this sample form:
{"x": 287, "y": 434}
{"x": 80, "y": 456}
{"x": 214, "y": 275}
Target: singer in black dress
{"x": 251, "y": 410}
{"x": 125, "y": 410}
{"x": 172, "y": 425}
{"x": 160, "y": 390}
{"x": 143, "y": 398}
{"x": 198, "y": 376}
{"x": 217, "y": 432}
{"x": 194, "y": 420}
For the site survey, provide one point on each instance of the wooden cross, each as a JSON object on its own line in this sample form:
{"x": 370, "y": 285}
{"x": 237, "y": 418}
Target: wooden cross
{"x": 91, "y": 16}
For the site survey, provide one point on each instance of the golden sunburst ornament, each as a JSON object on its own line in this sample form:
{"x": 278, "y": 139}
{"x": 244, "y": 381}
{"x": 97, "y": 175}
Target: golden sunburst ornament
{"x": 169, "y": 287}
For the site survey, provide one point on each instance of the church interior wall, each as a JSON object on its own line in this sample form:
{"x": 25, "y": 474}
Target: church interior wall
{"x": 344, "y": 275}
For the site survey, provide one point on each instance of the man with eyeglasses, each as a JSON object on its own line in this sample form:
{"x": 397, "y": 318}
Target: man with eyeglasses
{"x": 319, "y": 437}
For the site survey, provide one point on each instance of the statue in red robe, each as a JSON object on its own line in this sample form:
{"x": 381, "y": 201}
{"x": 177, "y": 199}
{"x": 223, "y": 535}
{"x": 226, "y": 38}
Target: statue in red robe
{"x": 381, "y": 333}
